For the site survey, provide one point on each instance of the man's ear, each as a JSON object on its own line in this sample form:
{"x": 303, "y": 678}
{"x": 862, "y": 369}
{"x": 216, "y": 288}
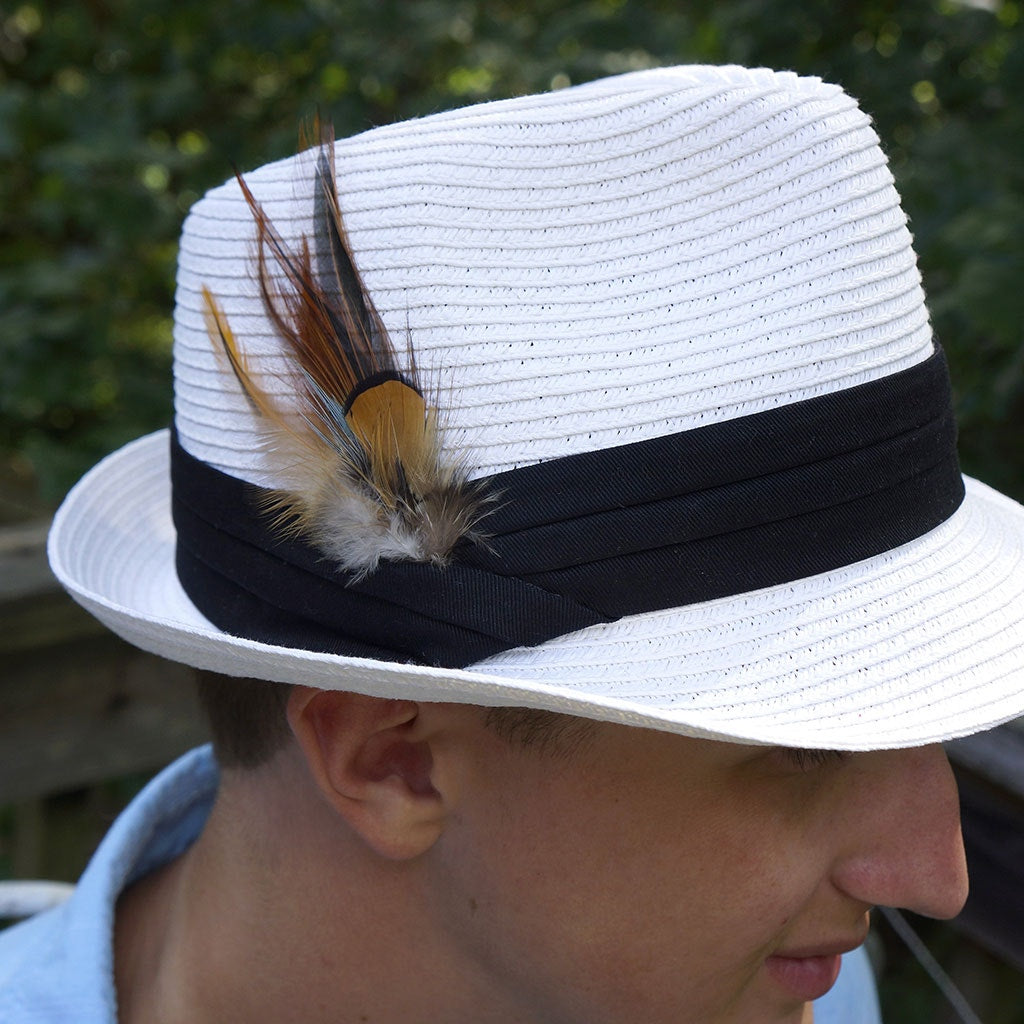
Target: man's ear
{"x": 371, "y": 759}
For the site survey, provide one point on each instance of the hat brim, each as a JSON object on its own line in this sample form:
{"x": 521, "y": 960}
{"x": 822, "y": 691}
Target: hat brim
{"x": 919, "y": 644}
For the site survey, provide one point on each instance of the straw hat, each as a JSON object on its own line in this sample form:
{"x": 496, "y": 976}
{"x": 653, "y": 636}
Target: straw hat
{"x": 674, "y": 321}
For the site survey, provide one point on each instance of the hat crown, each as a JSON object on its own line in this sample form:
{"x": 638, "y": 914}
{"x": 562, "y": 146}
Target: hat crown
{"x": 606, "y": 264}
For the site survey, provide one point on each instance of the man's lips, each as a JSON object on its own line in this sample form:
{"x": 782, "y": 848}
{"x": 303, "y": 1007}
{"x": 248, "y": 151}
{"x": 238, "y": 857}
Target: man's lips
{"x": 808, "y": 973}
{"x": 805, "y": 977}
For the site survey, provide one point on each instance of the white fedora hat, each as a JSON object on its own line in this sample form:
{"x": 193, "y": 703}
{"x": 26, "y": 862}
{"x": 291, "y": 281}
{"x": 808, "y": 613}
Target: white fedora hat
{"x": 675, "y": 321}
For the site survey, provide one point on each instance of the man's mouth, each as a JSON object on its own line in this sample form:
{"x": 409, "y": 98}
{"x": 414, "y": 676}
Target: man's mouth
{"x": 805, "y": 977}
{"x": 808, "y": 972}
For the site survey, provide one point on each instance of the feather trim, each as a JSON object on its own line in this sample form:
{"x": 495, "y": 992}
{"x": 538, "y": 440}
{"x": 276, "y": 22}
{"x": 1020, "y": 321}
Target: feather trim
{"x": 358, "y": 452}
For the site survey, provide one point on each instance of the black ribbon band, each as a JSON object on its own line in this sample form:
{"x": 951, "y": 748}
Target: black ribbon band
{"x": 723, "y": 509}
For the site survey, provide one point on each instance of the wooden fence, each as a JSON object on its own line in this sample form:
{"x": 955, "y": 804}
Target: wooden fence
{"x": 78, "y": 706}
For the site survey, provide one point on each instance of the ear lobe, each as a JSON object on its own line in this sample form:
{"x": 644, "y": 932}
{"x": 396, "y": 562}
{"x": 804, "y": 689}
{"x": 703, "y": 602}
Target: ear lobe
{"x": 372, "y": 762}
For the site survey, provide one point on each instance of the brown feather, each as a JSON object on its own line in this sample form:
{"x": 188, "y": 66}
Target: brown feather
{"x": 218, "y": 328}
{"x": 361, "y": 455}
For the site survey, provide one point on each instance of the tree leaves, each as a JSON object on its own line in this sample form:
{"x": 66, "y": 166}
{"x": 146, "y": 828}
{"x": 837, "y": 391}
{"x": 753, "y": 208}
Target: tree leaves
{"x": 116, "y": 114}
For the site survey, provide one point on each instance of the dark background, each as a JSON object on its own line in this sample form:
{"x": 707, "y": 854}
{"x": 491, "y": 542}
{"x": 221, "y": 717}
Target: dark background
{"x": 116, "y": 115}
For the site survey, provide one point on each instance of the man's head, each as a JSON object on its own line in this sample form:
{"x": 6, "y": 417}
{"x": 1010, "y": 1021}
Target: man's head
{"x": 623, "y": 874}
{"x": 657, "y": 347}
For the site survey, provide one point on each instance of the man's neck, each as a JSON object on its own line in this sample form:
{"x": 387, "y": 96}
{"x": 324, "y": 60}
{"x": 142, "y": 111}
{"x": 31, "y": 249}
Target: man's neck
{"x": 254, "y": 920}
{"x": 144, "y": 948}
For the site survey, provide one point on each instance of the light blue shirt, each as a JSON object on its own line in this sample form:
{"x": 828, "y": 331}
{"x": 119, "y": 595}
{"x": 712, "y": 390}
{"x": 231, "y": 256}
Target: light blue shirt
{"x": 852, "y": 999}
{"x": 58, "y": 967}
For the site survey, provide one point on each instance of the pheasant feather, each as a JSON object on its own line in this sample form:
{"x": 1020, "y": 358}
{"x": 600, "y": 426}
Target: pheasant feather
{"x": 358, "y": 449}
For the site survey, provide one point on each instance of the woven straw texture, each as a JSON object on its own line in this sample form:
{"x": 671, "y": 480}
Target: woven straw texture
{"x": 633, "y": 258}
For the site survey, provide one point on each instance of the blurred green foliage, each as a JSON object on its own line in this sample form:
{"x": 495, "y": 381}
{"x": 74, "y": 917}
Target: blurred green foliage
{"x": 116, "y": 114}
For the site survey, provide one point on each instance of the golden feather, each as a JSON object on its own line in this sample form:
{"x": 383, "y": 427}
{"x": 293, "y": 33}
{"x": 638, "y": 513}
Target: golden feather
{"x": 358, "y": 449}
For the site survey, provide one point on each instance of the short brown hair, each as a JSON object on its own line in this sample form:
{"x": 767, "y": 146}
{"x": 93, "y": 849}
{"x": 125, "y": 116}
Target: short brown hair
{"x": 246, "y": 718}
{"x": 248, "y": 723}
{"x": 548, "y": 732}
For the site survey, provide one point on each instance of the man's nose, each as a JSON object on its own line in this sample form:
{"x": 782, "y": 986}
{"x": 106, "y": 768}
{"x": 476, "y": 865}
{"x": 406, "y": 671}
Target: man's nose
{"x": 906, "y": 849}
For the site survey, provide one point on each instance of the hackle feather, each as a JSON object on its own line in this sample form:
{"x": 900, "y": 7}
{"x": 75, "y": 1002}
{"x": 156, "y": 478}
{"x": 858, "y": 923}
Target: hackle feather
{"x": 358, "y": 449}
